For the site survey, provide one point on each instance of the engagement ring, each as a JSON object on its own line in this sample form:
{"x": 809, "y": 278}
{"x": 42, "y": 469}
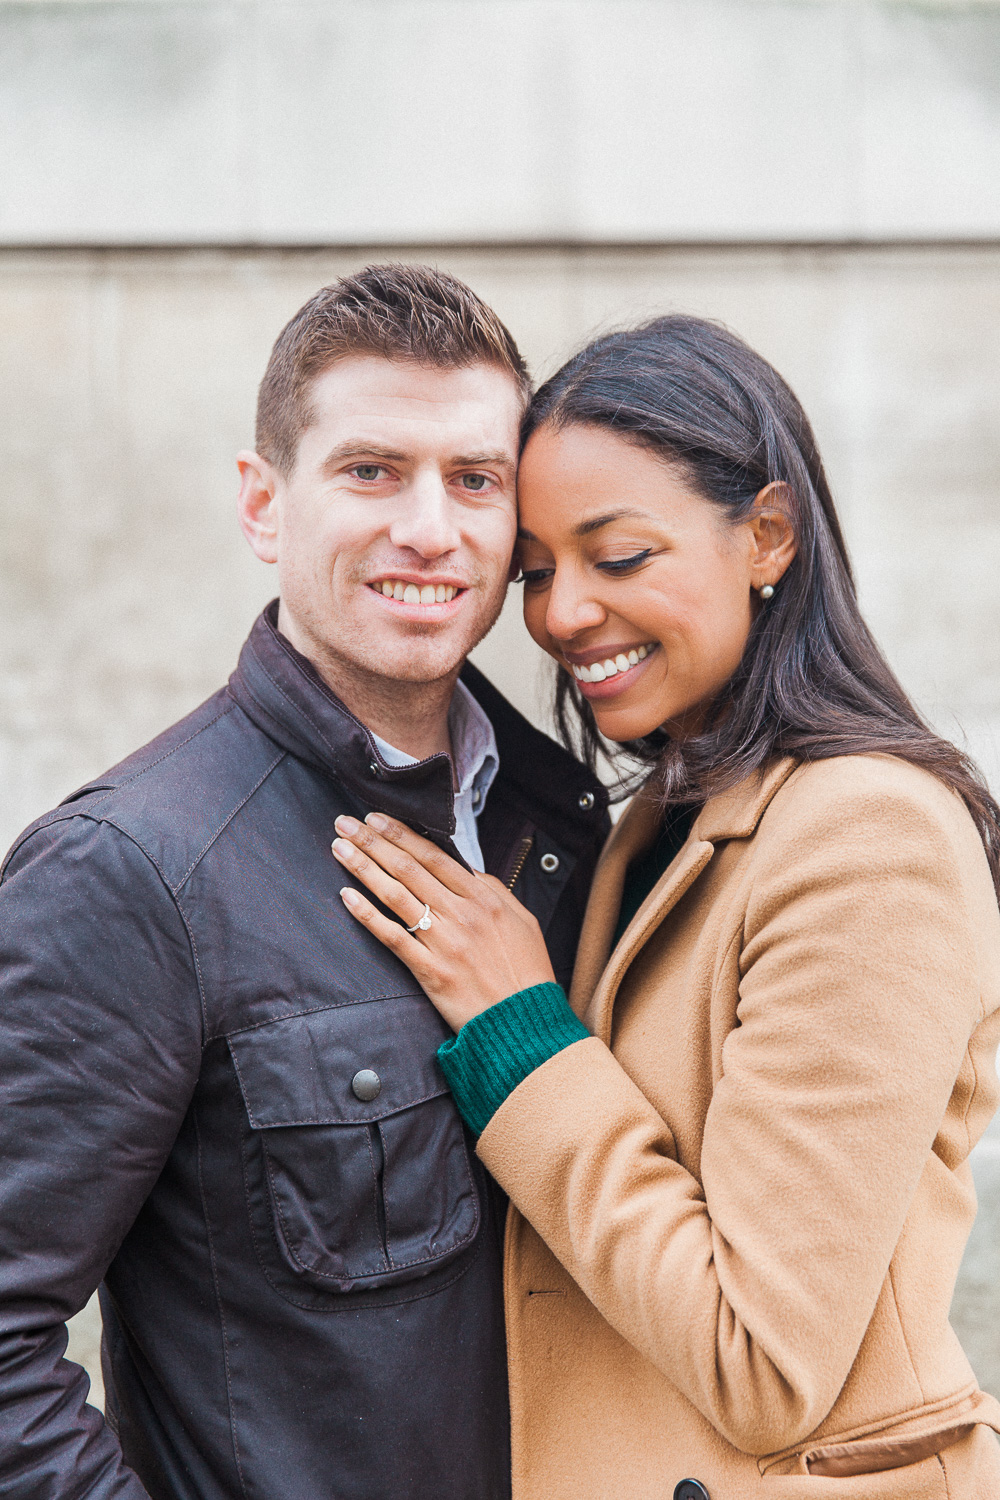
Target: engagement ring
{"x": 424, "y": 922}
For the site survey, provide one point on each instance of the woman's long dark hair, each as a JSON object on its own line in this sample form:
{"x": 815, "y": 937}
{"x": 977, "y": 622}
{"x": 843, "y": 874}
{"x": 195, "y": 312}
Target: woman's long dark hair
{"x": 812, "y": 683}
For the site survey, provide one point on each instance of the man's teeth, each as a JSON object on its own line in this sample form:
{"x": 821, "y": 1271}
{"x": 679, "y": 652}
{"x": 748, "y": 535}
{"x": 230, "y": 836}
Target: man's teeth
{"x": 409, "y": 593}
{"x": 598, "y": 671}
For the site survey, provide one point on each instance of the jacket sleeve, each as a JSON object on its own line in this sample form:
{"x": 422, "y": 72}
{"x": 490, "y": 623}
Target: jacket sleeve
{"x": 751, "y": 1284}
{"x": 100, "y": 1046}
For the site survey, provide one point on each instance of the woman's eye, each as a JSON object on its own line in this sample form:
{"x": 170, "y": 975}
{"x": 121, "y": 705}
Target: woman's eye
{"x": 475, "y": 482}
{"x": 367, "y": 472}
{"x": 624, "y": 564}
{"x": 533, "y": 575}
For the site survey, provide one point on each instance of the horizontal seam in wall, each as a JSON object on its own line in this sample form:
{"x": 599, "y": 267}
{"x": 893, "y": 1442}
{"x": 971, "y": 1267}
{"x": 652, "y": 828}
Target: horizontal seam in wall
{"x": 457, "y": 247}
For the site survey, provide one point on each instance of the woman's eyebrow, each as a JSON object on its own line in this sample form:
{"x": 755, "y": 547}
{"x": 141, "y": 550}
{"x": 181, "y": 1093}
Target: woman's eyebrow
{"x": 596, "y": 522}
{"x": 593, "y": 524}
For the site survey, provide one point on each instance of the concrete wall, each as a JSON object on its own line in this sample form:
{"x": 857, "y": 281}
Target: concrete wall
{"x": 127, "y": 383}
{"x": 372, "y": 121}
{"x": 176, "y": 178}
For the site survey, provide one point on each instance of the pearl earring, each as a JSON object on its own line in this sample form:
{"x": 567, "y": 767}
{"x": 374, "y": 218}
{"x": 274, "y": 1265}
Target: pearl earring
{"x": 767, "y": 592}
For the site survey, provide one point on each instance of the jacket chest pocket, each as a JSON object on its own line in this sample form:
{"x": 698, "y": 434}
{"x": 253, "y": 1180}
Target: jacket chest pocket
{"x": 355, "y": 1158}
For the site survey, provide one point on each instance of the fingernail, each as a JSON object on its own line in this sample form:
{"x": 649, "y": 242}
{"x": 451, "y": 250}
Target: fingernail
{"x": 342, "y": 849}
{"x": 349, "y": 897}
{"x": 349, "y": 826}
{"x": 377, "y": 821}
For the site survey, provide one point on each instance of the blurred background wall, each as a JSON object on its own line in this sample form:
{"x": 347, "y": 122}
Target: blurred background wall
{"x": 177, "y": 176}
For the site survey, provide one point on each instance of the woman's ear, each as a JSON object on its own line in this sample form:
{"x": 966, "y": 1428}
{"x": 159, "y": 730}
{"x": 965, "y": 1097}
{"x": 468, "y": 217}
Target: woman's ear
{"x": 772, "y": 532}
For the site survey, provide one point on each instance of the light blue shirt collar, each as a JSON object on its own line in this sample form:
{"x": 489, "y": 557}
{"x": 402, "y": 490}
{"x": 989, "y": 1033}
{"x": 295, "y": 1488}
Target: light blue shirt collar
{"x": 476, "y": 762}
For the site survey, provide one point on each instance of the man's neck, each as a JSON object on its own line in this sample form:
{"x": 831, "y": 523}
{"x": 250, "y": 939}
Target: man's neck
{"x": 410, "y": 716}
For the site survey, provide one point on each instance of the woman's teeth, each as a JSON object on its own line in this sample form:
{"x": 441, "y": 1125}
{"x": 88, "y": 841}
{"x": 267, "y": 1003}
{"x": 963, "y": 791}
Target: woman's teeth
{"x": 409, "y": 593}
{"x": 599, "y": 670}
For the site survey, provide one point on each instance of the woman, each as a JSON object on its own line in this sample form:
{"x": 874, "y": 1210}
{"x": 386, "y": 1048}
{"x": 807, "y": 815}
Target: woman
{"x": 738, "y": 1161}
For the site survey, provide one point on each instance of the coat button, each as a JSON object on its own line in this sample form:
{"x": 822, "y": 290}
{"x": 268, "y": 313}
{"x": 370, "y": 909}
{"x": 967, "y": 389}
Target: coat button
{"x": 549, "y": 863}
{"x": 691, "y": 1489}
{"x": 366, "y": 1085}
{"x": 585, "y": 801}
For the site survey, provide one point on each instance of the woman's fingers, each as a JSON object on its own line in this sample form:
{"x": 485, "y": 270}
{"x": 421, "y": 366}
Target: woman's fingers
{"x": 388, "y": 932}
{"x": 412, "y": 860}
{"x": 397, "y": 896}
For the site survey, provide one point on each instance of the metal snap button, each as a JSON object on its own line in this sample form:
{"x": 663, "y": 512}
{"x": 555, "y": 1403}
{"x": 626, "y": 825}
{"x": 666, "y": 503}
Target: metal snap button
{"x": 549, "y": 863}
{"x": 366, "y": 1085}
{"x": 373, "y": 767}
{"x": 585, "y": 801}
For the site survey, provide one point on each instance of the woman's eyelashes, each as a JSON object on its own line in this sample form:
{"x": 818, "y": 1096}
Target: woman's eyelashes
{"x": 614, "y": 567}
{"x": 620, "y": 565}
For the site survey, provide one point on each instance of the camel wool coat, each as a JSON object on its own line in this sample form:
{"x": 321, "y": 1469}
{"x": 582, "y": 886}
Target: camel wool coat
{"x": 739, "y": 1206}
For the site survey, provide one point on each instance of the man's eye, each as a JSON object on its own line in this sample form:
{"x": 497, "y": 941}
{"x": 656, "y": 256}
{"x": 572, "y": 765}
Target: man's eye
{"x": 624, "y": 564}
{"x": 367, "y": 472}
{"x": 475, "y": 482}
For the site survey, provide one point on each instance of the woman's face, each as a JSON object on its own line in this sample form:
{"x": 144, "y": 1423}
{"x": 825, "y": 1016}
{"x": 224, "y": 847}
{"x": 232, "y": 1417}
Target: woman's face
{"x": 636, "y": 582}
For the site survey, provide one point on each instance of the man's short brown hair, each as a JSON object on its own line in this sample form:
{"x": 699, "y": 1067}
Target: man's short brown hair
{"x": 396, "y": 311}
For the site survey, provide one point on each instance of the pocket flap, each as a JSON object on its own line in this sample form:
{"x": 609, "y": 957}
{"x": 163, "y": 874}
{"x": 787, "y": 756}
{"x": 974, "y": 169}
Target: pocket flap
{"x": 299, "y": 1070}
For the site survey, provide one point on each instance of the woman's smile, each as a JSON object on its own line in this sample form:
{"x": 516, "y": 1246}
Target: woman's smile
{"x": 607, "y": 671}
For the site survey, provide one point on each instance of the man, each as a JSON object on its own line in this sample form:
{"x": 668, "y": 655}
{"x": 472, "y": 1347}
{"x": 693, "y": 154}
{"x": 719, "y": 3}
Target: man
{"x": 221, "y": 1097}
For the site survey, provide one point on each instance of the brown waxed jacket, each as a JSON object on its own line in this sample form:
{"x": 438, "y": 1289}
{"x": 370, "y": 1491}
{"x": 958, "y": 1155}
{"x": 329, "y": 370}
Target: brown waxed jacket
{"x": 740, "y": 1205}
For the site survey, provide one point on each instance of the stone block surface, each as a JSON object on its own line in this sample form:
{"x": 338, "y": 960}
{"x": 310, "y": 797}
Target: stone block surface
{"x": 406, "y": 121}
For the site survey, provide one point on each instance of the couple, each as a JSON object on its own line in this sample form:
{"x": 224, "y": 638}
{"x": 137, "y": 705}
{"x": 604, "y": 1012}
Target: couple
{"x": 318, "y": 1058}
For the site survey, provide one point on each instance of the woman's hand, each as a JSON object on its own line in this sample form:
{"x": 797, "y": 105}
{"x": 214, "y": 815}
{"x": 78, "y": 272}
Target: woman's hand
{"x": 482, "y": 944}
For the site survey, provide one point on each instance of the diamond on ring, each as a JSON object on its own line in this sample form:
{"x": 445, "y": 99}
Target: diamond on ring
{"x": 424, "y": 922}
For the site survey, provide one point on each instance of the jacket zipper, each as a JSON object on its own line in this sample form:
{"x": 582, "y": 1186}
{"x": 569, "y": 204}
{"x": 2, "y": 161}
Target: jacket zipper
{"x": 377, "y": 1148}
{"x": 522, "y": 855}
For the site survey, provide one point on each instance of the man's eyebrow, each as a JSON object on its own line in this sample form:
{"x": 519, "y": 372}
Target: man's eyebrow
{"x": 357, "y": 448}
{"x": 497, "y": 460}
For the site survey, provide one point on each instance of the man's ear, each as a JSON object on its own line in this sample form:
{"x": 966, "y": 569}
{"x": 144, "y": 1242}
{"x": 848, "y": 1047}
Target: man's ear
{"x": 772, "y": 531}
{"x": 256, "y": 505}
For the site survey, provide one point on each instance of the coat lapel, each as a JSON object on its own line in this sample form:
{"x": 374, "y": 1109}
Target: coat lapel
{"x": 632, "y": 833}
{"x": 599, "y": 972}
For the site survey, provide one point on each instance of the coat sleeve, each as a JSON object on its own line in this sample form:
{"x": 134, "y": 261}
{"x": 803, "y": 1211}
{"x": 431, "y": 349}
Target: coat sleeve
{"x": 100, "y": 1046}
{"x": 751, "y": 1284}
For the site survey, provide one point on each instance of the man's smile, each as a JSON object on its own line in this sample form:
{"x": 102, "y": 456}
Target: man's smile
{"x": 407, "y": 592}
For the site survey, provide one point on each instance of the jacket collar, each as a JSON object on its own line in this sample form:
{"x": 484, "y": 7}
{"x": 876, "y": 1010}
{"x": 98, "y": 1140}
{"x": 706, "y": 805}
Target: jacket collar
{"x": 735, "y": 813}
{"x": 732, "y": 814}
{"x": 284, "y": 695}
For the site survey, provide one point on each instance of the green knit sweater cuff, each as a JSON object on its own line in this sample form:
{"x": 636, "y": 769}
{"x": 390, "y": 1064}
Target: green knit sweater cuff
{"x": 497, "y": 1049}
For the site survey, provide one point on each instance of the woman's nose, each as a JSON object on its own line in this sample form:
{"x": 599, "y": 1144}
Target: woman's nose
{"x": 571, "y": 610}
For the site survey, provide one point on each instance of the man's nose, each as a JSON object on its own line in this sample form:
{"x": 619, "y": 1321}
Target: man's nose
{"x": 571, "y": 608}
{"x": 426, "y": 521}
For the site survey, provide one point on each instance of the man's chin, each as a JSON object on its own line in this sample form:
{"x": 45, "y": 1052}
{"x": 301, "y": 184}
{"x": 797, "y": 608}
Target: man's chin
{"x": 412, "y": 658}
{"x": 423, "y": 653}
{"x": 402, "y": 651}
{"x": 415, "y": 667}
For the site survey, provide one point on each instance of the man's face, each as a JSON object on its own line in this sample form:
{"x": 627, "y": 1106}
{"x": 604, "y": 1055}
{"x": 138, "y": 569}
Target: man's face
{"x": 393, "y": 533}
